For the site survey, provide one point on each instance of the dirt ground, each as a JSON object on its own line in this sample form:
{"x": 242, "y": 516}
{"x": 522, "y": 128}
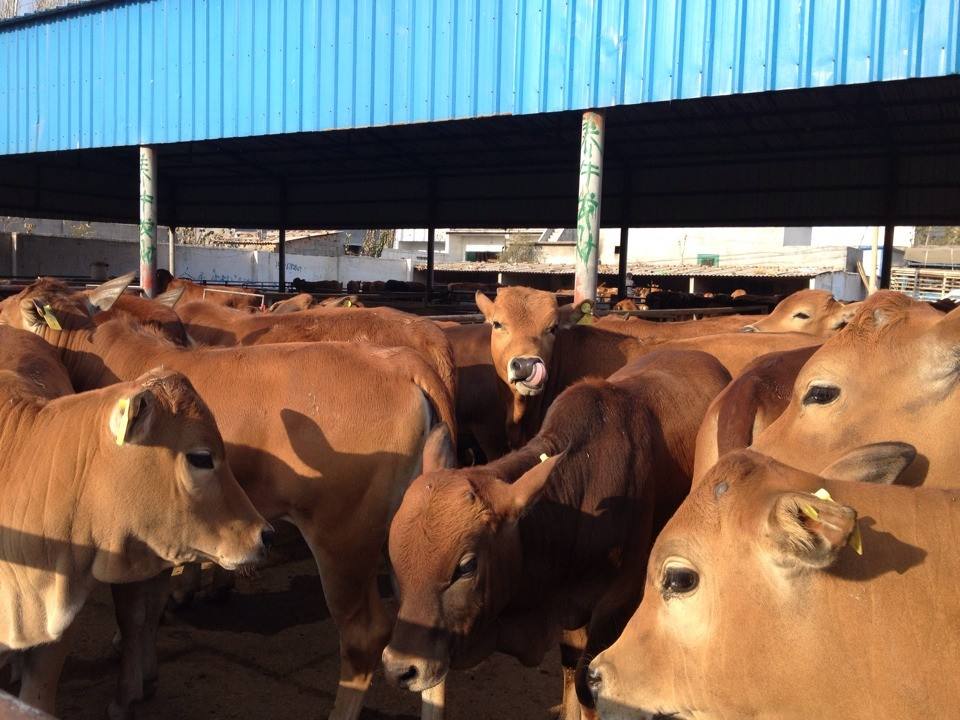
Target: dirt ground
{"x": 270, "y": 651}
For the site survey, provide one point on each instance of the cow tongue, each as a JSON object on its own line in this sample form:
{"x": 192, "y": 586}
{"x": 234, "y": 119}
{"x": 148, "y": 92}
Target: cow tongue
{"x": 538, "y": 375}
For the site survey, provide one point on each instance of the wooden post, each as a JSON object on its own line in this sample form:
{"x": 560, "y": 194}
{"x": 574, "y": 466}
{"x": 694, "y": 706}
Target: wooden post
{"x": 588, "y": 207}
{"x": 431, "y": 237}
{"x": 172, "y": 251}
{"x": 148, "y": 221}
{"x": 282, "y": 261}
{"x": 891, "y": 221}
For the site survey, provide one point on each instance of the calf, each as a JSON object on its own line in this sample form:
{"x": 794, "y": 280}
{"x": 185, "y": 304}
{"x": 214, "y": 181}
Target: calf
{"x": 551, "y": 538}
{"x": 759, "y": 603}
{"x": 215, "y": 325}
{"x": 289, "y": 447}
{"x": 83, "y": 477}
{"x": 891, "y": 374}
{"x": 815, "y": 312}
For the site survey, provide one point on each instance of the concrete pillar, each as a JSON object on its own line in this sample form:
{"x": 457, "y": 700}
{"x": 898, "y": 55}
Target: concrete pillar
{"x": 148, "y": 221}
{"x": 13, "y": 254}
{"x": 693, "y": 285}
{"x": 172, "y": 252}
{"x": 588, "y": 206}
{"x": 874, "y": 261}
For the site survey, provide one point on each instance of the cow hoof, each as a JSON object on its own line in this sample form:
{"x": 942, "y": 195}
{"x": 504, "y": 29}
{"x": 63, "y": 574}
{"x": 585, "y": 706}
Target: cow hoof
{"x": 115, "y": 711}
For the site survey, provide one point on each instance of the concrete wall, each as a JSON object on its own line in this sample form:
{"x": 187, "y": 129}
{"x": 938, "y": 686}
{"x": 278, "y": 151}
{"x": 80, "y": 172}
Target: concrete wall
{"x": 39, "y": 255}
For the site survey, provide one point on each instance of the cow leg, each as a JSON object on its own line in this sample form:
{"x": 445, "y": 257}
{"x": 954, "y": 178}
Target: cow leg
{"x": 353, "y": 598}
{"x": 138, "y": 608}
{"x": 572, "y": 645}
{"x": 432, "y": 702}
{"x": 41, "y": 668}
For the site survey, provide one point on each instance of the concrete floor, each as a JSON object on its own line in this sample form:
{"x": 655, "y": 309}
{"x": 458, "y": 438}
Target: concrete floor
{"x": 270, "y": 651}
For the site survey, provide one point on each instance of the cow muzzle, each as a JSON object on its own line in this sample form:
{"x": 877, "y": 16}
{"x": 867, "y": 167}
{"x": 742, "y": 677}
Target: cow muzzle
{"x": 527, "y": 373}
{"x": 598, "y": 679}
{"x": 251, "y": 551}
{"x": 412, "y": 673}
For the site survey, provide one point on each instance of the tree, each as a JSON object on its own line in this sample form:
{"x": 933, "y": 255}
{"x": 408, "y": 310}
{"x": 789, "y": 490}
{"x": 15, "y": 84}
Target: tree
{"x": 374, "y": 241}
{"x": 936, "y": 235}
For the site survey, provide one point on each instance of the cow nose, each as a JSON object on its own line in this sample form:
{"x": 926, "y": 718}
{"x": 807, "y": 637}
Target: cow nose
{"x": 748, "y": 328}
{"x": 267, "y": 537}
{"x": 594, "y": 680}
{"x": 522, "y": 368}
{"x": 406, "y": 679}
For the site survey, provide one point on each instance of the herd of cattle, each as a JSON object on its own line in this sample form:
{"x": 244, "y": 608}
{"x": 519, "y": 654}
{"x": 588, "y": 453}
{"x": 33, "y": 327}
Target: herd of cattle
{"x": 701, "y": 514}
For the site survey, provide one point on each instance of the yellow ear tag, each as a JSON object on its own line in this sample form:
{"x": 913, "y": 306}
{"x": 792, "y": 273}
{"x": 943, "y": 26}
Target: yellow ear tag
{"x": 586, "y": 313}
{"x": 123, "y": 420}
{"x": 856, "y": 540}
{"x": 544, "y": 457}
{"x": 348, "y": 304}
{"x": 810, "y": 511}
{"x": 50, "y": 318}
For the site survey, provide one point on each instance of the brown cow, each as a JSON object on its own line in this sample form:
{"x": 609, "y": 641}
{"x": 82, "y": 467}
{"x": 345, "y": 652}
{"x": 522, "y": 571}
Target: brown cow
{"x": 233, "y": 296}
{"x": 157, "y": 313}
{"x": 210, "y": 324}
{"x": 146, "y": 444}
{"x": 524, "y": 325}
{"x": 809, "y": 311}
{"x": 891, "y": 374}
{"x": 301, "y": 301}
{"x": 338, "y": 482}
{"x": 552, "y": 537}
{"x": 481, "y": 406}
{"x": 748, "y": 405}
{"x": 757, "y": 606}
{"x": 650, "y": 330}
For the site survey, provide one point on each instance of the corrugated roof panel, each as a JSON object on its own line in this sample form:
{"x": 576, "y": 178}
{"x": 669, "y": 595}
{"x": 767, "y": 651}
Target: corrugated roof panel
{"x": 154, "y": 71}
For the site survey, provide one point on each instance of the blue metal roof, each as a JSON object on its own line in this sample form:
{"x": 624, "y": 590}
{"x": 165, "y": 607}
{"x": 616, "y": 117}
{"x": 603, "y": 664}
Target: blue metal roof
{"x": 160, "y": 71}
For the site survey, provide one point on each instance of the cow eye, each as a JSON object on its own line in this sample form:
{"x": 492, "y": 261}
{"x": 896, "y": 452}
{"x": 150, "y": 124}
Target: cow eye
{"x": 679, "y": 580}
{"x": 497, "y": 325}
{"x": 552, "y": 329}
{"x": 466, "y": 567}
{"x": 821, "y": 395}
{"x": 201, "y": 459}
{"x": 801, "y": 316}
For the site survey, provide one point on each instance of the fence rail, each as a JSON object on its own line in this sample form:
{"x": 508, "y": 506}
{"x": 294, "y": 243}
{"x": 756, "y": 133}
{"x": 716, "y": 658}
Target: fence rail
{"x": 924, "y": 283}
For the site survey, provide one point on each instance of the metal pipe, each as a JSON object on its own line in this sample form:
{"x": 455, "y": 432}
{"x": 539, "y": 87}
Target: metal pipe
{"x": 148, "y": 221}
{"x": 624, "y": 236}
{"x": 874, "y": 260}
{"x": 887, "y": 256}
{"x": 588, "y": 207}
{"x": 282, "y": 261}
{"x": 431, "y": 246}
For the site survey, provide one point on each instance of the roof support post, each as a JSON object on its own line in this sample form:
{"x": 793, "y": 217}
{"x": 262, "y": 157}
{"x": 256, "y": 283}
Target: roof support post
{"x": 431, "y": 236}
{"x": 893, "y": 182}
{"x": 624, "y": 235}
{"x": 148, "y": 221}
{"x": 282, "y": 242}
{"x": 588, "y": 206}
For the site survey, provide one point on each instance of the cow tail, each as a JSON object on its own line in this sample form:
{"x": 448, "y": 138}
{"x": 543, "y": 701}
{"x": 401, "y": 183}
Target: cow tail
{"x": 440, "y": 400}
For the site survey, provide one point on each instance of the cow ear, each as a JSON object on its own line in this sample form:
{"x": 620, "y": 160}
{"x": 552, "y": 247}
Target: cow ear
{"x": 879, "y": 463}
{"x": 438, "y": 451}
{"x": 171, "y": 297}
{"x": 102, "y": 297}
{"x": 514, "y": 499}
{"x": 845, "y": 314}
{"x": 805, "y": 530}
{"x": 485, "y": 304}
{"x": 129, "y": 416}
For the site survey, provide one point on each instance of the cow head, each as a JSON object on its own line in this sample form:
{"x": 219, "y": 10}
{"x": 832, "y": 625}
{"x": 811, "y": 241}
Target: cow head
{"x": 738, "y": 584}
{"x": 525, "y": 323}
{"x": 48, "y": 307}
{"x": 892, "y": 373}
{"x": 455, "y": 550}
{"x": 814, "y": 312}
{"x": 161, "y": 477}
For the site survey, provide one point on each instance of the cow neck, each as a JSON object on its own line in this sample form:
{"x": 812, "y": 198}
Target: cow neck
{"x": 115, "y": 351}
{"x": 548, "y": 530}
